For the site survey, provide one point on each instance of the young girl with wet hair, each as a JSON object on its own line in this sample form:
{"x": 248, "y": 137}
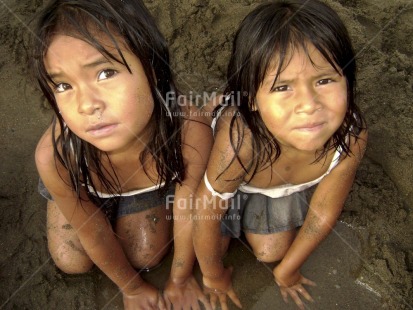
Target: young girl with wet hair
{"x": 117, "y": 152}
{"x": 287, "y": 121}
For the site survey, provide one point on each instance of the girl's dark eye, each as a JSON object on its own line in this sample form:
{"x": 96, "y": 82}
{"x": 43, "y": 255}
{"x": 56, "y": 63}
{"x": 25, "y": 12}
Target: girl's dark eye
{"x": 280, "y": 88}
{"x": 324, "y": 81}
{"x": 106, "y": 74}
{"x": 62, "y": 87}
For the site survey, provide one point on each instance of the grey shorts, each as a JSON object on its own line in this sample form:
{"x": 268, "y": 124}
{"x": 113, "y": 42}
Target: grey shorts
{"x": 115, "y": 208}
{"x": 260, "y": 214}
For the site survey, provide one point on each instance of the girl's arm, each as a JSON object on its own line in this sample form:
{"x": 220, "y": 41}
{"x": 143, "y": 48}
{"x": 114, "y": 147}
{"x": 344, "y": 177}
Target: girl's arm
{"x": 325, "y": 208}
{"x": 182, "y": 290}
{"x": 208, "y": 242}
{"x": 211, "y": 209}
{"x": 92, "y": 227}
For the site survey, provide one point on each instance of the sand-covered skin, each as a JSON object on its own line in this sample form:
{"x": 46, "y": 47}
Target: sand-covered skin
{"x": 200, "y": 36}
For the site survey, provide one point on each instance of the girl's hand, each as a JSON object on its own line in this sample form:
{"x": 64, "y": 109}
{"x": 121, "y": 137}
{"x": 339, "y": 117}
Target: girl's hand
{"x": 145, "y": 297}
{"x": 292, "y": 285}
{"x": 185, "y": 295}
{"x": 220, "y": 288}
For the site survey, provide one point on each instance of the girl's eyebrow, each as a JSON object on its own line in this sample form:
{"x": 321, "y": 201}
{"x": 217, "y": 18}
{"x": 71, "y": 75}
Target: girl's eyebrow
{"x": 101, "y": 60}
{"x": 271, "y": 81}
{"x": 322, "y": 73}
{"x": 284, "y": 81}
{"x": 97, "y": 62}
{"x": 326, "y": 71}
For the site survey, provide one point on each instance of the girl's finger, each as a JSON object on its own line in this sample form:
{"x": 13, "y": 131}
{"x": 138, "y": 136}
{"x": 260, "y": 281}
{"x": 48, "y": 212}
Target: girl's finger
{"x": 223, "y": 301}
{"x": 213, "y": 300}
{"x": 161, "y": 303}
{"x": 294, "y": 295}
{"x": 284, "y": 295}
{"x": 234, "y": 298}
{"x": 308, "y": 282}
{"x": 202, "y": 298}
{"x": 167, "y": 302}
{"x": 305, "y": 294}
{"x": 193, "y": 303}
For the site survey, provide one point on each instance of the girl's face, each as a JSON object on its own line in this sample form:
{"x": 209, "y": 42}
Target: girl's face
{"x": 99, "y": 99}
{"x": 307, "y": 103}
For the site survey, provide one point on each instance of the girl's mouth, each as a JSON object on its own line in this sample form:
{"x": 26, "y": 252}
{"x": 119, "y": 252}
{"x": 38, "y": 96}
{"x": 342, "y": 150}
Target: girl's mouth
{"x": 101, "y": 130}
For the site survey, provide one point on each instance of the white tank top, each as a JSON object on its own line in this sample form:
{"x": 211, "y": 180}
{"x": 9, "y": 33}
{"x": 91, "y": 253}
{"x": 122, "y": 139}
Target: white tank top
{"x": 288, "y": 189}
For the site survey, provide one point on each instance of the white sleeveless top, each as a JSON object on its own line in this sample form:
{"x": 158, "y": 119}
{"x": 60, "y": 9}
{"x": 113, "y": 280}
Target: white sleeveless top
{"x": 288, "y": 189}
{"x": 130, "y": 193}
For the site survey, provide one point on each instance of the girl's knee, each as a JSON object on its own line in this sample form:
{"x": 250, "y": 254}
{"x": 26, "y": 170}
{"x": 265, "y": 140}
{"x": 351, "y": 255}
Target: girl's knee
{"x": 74, "y": 269}
{"x": 70, "y": 258}
{"x": 147, "y": 246}
{"x": 271, "y": 248}
{"x": 72, "y": 263}
{"x": 147, "y": 257}
{"x": 266, "y": 255}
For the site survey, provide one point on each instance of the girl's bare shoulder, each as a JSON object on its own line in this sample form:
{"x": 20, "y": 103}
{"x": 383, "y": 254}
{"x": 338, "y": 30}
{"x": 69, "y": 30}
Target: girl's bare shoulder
{"x": 196, "y": 135}
{"x": 51, "y": 171}
{"x": 44, "y": 153}
{"x": 233, "y": 143}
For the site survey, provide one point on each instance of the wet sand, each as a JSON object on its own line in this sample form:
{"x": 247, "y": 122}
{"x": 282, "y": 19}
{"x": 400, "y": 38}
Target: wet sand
{"x": 377, "y": 251}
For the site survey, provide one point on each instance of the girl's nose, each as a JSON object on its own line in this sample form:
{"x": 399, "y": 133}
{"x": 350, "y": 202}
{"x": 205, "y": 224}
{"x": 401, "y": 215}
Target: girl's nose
{"x": 308, "y": 101}
{"x": 88, "y": 100}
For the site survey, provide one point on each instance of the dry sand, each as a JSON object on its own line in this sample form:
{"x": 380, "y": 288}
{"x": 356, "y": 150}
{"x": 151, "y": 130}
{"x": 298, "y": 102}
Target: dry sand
{"x": 377, "y": 251}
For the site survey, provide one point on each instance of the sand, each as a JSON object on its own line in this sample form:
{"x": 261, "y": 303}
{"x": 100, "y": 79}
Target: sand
{"x": 366, "y": 263}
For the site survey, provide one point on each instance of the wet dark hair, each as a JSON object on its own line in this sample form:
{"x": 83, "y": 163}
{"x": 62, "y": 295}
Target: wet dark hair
{"x": 266, "y": 36}
{"x": 121, "y": 21}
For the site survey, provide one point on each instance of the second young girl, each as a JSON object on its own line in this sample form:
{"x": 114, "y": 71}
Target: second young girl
{"x": 286, "y": 122}
{"x": 117, "y": 150}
